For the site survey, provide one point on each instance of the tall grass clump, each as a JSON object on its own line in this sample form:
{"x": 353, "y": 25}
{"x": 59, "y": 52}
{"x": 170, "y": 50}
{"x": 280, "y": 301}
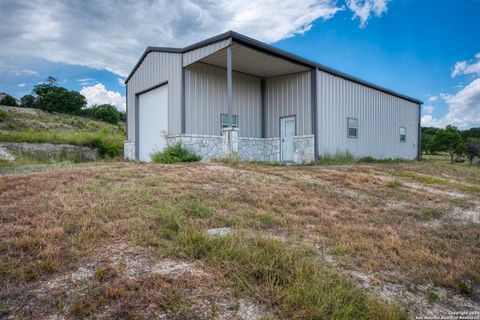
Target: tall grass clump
{"x": 337, "y": 158}
{"x": 291, "y": 280}
{"x": 174, "y": 154}
{"x": 106, "y": 144}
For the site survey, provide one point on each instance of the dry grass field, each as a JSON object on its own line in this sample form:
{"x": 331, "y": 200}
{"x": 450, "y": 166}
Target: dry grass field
{"x": 129, "y": 240}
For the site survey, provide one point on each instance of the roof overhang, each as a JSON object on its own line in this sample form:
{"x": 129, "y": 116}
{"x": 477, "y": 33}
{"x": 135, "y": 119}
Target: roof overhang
{"x": 249, "y": 45}
{"x": 249, "y": 60}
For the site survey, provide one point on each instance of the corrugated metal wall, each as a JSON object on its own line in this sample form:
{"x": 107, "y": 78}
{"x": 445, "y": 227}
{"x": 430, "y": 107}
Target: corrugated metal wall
{"x": 197, "y": 54}
{"x": 379, "y": 115}
{"x": 205, "y": 100}
{"x": 289, "y": 95}
{"x": 156, "y": 68}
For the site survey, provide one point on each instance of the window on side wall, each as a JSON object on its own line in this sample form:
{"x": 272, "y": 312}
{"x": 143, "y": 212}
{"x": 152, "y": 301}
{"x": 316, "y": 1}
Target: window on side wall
{"x": 403, "y": 134}
{"x": 224, "y": 120}
{"x": 352, "y": 127}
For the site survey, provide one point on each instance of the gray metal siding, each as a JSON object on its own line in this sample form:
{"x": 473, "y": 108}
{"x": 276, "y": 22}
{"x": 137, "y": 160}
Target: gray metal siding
{"x": 285, "y": 96}
{"x": 156, "y": 68}
{"x": 380, "y": 116}
{"x": 197, "y": 54}
{"x": 206, "y": 99}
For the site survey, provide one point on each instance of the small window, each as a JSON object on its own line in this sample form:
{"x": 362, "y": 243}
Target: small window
{"x": 224, "y": 120}
{"x": 403, "y": 134}
{"x": 352, "y": 127}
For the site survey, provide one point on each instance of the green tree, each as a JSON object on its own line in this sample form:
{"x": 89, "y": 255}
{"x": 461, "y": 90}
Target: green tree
{"x": 448, "y": 140}
{"x": 53, "y": 98}
{"x": 473, "y": 150}
{"x": 28, "y": 101}
{"x": 471, "y": 133}
{"x": 104, "y": 112}
{"x": 9, "y": 101}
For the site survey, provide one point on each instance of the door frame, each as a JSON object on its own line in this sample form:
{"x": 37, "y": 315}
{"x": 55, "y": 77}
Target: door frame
{"x": 137, "y": 114}
{"x": 294, "y": 116}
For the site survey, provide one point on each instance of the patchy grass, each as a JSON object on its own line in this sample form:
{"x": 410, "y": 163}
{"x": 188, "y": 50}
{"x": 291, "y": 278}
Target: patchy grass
{"x": 284, "y": 220}
{"x": 427, "y": 179}
{"x": 42, "y": 127}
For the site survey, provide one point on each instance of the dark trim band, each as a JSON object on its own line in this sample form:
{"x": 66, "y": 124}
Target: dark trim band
{"x": 237, "y": 37}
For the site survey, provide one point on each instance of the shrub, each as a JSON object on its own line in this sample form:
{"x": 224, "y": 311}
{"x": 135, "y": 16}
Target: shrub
{"x": 28, "y": 101}
{"x": 104, "y": 112}
{"x": 174, "y": 154}
{"x": 9, "y": 101}
{"x": 3, "y": 115}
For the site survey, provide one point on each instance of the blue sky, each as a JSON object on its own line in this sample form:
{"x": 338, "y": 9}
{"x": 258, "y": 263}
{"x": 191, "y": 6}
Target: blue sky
{"x": 426, "y": 49}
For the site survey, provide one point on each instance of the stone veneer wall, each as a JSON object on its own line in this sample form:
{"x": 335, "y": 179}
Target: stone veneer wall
{"x": 129, "y": 150}
{"x": 256, "y": 149}
{"x": 251, "y": 149}
{"x": 304, "y": 149}
{"x": 206, "y": 146}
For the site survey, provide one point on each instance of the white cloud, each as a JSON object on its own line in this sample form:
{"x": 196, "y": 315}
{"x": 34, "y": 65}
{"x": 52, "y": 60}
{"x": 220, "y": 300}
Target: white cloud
{"x": 98, "y": 94}
{"x": 111, "y": 35}
{"x": 364, "y": 9}
{"x": 8, "y": 65}
{"x": 21, "y": 84}
{"x": 463, "y": 108}
{"x": 428, "y": 109}
{"x": 433, "y": 98}
{"x": 85, "y": 81}
{"x": 464, "y": 105}
{"x": 467, "y": 67}
{"x": 121, "y": 81}
{"x": 428, "y": 121}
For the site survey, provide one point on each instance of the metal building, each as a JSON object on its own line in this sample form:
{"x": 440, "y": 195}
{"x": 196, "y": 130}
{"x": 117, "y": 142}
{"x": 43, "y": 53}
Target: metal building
{"x": 231, "y": 95}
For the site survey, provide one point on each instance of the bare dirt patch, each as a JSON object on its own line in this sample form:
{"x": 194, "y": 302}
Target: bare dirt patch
{"x": 89, "y": 242}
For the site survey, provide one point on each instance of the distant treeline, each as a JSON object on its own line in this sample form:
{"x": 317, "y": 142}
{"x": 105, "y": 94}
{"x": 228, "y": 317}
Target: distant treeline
{"x": 51, "y": 97}
{"x": 457, "y": 143}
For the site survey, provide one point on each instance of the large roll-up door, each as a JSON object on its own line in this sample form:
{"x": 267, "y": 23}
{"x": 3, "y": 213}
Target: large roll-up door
{"x": 152, "y": 122}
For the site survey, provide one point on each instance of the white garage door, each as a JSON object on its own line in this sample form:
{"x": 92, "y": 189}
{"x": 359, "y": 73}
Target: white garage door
{"x": 152, "y": 122}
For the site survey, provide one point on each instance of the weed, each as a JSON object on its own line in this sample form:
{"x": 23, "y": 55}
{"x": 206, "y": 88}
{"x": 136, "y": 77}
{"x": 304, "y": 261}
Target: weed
{"x": 175, "y": 154}
{"x": 337, "y": 158}
{"x": 465, "y": 288}
{"x": 83, "y": 306}
{"x": 193, "y": 208}
{"x": 105, "y": 272}
{"x": 394, "y": 183}
{"x": 4, "y": 308}
{"x": 430, "y": 214}
{"x": 432, "y": 296}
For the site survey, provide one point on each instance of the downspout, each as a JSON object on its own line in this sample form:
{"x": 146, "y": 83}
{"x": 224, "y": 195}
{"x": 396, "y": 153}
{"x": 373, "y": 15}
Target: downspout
{"x": 314, "y": 112}
{"x": 229, "y": 87}
{"x": 183, "y": 115}
{"x": 264, "y": 107}
{"x": 419, "y": 143}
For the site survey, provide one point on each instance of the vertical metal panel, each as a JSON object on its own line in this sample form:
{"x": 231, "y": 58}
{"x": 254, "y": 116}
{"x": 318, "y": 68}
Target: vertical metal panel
{"x": 285, "y": 96}
{"x": 156, "y": 68}
{"x": 206, "y": 99}
{"x": 197, "y": 54}
{"x": 380, "y": 116}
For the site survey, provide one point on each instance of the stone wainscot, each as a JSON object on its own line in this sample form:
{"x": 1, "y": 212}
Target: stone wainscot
{"x": 230, "y": 144}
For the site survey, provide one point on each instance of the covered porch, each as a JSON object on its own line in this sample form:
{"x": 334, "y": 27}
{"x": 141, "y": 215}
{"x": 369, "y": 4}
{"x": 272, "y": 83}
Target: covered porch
{"x": 257, "y": 105}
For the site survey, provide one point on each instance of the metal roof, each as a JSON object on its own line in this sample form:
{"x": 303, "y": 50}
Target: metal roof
{"x": 242, "y": 39}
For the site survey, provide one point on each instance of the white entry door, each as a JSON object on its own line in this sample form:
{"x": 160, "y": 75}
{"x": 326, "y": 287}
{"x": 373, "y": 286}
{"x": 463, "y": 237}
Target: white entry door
{"x": 287, "y": 132}
{"x": 152, "y": 122}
